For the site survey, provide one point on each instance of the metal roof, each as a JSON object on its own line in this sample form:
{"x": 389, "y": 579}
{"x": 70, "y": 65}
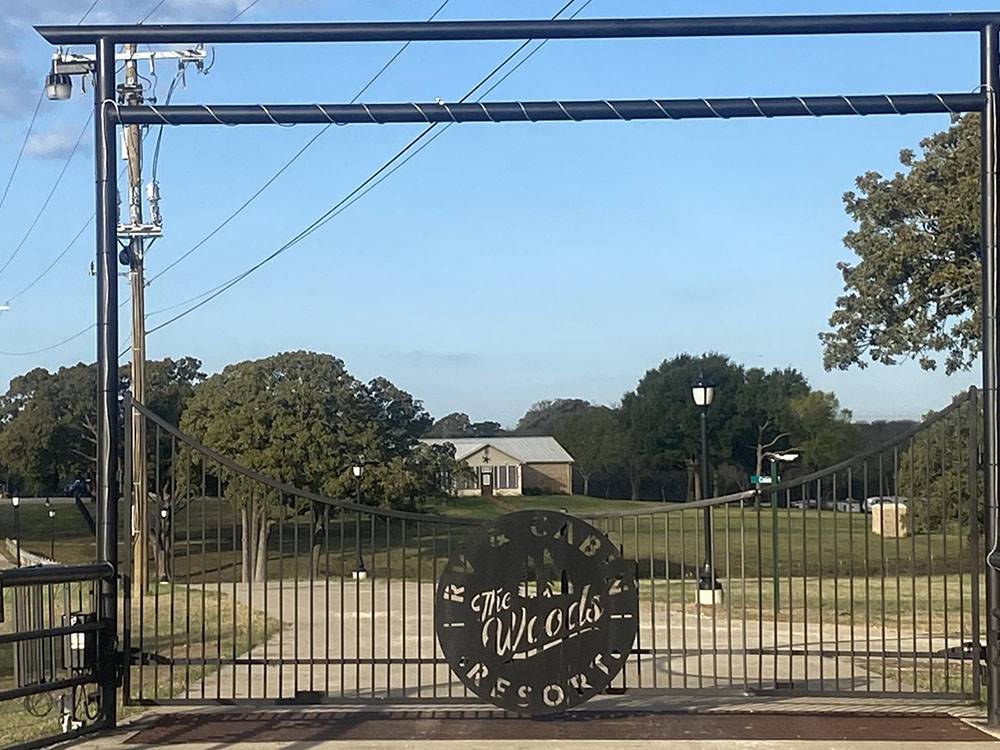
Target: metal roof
{"x": 529, "y": 450}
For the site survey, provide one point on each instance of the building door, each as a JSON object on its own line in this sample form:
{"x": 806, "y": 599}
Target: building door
{"x": 486, "y": 483}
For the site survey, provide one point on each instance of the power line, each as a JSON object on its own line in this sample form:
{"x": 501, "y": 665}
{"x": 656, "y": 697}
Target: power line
{"x": 48, "y": 198}
{"x": 211, "y": 294}
{"x": 86, "y": 224}
{"x": 49, "y": 348}
{"x": 31, "y": 123}
{"x": 24, "y": 144}
{"x": 52, "y": 265}
{"x": 236, "y": 17}
{"x": 376, "y": 178}
{"x": 150, "y": 12}
{"x": 89, "y": 11}
{"x": 229, "y": 218}
{"x": 284, "y": 167}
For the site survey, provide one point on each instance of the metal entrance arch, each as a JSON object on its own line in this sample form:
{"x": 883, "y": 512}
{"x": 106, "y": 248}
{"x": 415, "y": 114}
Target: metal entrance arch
{"x": 109, "y": 114}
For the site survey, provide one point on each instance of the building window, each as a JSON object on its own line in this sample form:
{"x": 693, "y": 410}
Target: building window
{"x": 506, "y": 477}
{"x": 468, "y": 479}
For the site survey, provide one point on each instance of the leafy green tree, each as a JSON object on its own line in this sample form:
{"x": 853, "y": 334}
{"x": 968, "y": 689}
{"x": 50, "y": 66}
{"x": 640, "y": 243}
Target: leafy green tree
{"x": 544, "y": 416}
{"x": 765, "y": 410}
{"x": 914, "y": 291}
{"x": 593, "y": 437}
{"x": 48, "y": 431}
{"x": 823, "y": 430}
{"x": 455, "y": 424}
{"x": 458, "y": 424}
{"x": 661, "y": 421}
{"x": 754, "y": 412}
{"x": 933, "y": 473}
{"x": 303, "y": 419}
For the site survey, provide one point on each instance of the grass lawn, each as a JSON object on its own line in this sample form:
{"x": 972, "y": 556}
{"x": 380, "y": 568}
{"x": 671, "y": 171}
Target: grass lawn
{"x": 232, "y": 630}
{"x": 940, "y": 606}
{"x": 807, "y": 543}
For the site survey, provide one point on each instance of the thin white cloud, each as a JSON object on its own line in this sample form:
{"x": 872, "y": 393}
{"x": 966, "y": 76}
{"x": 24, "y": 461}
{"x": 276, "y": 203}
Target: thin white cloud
{"x": 21, "y": 74}
{"x": 56, "y": 144}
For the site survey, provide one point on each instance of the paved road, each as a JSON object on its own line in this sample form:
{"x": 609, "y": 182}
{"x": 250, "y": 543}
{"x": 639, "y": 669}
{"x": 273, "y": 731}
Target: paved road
{"x": 376, "y": 621}
{"x": 472, "y": 728}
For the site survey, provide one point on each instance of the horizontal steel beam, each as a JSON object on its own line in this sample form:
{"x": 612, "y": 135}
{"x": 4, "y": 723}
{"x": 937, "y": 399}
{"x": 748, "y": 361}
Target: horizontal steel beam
{"x": 598, "y": 28}
{"x": 628, "y": 109}
{"x": 40, "y": 575}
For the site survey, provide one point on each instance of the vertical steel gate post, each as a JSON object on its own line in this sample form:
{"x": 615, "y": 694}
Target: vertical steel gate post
{"x": 107, "y": 365}
{"x": 990, "y": 244}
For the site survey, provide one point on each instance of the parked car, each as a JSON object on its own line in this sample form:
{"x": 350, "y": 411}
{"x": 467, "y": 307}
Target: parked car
{"x": 849, "y": 505}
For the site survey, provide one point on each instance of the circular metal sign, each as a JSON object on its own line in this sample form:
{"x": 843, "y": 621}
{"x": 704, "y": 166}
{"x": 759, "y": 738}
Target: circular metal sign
{"x": 536, "y": 611}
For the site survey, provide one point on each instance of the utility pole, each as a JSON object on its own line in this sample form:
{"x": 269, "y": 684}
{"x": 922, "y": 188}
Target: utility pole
{"x": 132, "y": 94}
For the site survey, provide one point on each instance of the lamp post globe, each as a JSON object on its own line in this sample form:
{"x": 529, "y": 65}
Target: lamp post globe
{"x": 703, "y": 392}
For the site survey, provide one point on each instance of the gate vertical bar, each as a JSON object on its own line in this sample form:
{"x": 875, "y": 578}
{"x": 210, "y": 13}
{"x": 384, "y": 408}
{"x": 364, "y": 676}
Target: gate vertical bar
{"x": 105, "y": 149}
{"x": 140, "y": 549}
{"x": 974, "y": 553}
{"x": 990, "y": 243}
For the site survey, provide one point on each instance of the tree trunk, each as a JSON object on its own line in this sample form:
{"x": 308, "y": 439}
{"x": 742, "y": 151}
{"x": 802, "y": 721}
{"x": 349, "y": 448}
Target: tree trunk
{"x": 635, "y": 482}
{"x": 260, "y": 566}
{"x": 317, "y": 535}
{"x": 246, "y": 523}
{"x": 586, "y": 482}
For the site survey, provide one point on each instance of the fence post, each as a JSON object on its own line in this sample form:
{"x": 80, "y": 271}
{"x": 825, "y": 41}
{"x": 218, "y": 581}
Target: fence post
{"x": 106, "y": 213}
{"x": 990, "y": 60}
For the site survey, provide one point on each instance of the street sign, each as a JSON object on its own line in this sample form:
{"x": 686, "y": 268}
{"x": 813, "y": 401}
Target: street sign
{"x": 761, "y": 479}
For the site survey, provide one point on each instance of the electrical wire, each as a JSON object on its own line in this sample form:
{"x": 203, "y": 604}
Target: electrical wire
{"x": 50, "y": 347}
{"x": 24, "y": 145}
{"x": 150, "y": 12}
{"x": 66, "y": 249}
{"x": 45, "y": 203}
{"x": 284, "y": 167}
{"x": 387, "y": 167}
{"x": 237, "y": 16}
{"x": 376, "y": 178}
{"x": 59, "y": 257}
{"x": 31, "y": 123}
{"x": 89, "y": 11}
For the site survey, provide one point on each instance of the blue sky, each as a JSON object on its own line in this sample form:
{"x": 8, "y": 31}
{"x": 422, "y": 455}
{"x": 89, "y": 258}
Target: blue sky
{"x": 506, "y": 263}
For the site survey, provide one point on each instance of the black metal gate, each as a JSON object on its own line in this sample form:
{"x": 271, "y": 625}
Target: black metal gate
{"x": 334, "y": 602}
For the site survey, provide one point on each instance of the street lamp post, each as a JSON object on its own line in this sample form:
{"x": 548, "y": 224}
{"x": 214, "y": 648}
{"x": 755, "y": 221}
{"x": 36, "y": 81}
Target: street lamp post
{"x": 709, "y": 588}
{"x": 360, "y": 573}
{"x": 52, "y": 530}
{"x": 16, "y": 502}
{"x": 165, "y": 542}
{"x": 775, "y": 459}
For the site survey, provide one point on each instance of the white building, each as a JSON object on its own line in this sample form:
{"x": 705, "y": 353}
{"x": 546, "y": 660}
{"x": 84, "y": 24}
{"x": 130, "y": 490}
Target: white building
{"x": 511, "y": 465}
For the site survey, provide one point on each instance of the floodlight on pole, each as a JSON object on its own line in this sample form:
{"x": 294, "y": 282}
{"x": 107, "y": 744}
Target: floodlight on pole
{"x": 58, "y": 86}
{"x": 783, "y": 457}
